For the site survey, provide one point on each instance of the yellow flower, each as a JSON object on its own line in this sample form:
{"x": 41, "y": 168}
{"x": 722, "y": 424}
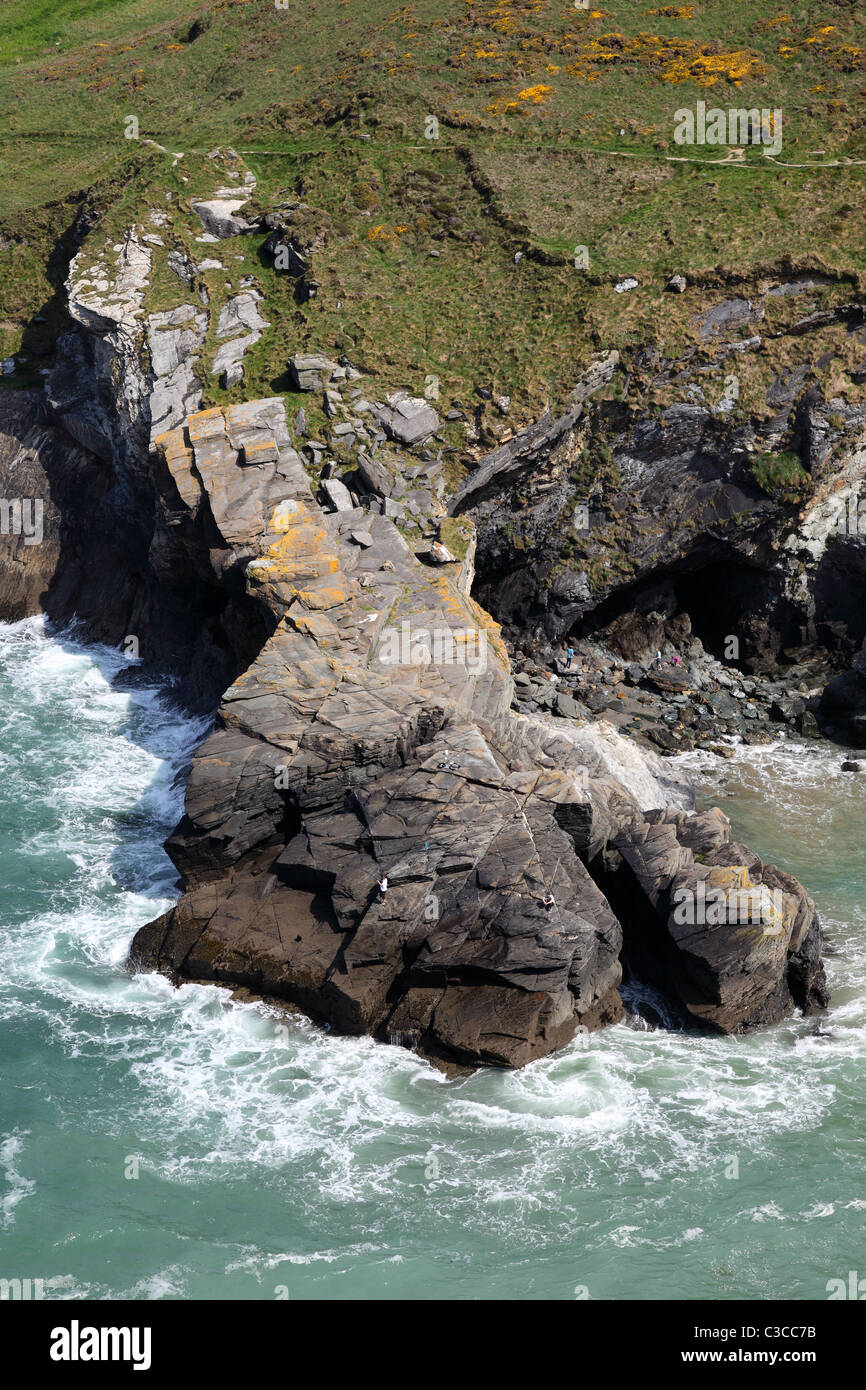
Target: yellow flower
{"x": 535, "y": 94}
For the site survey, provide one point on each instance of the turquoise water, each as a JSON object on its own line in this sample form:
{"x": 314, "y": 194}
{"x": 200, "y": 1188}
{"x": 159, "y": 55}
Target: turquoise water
{"x": 277, "y": 1161}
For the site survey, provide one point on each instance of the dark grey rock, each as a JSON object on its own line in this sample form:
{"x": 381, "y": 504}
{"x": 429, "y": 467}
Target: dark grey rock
{"x": 410, "y": 421}
{"x": 311, "y": 371}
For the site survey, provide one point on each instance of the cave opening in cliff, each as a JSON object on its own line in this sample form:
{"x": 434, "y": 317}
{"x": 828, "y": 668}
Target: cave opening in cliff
{"x": 840, "y": 595}
{"x": 721, "y": 600}
{"x": 736, "y": 611}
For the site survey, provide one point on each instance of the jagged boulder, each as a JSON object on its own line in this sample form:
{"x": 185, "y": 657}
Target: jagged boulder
{"x": 408, "y": 420}
{"x": 220, "y": 219}
{"x": 736, "y": 942}
{"x": 310, "y": 371}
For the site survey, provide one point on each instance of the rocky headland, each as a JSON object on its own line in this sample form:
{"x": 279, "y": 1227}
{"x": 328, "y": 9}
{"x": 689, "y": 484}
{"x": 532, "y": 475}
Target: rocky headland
{"x": 324, "y": 580}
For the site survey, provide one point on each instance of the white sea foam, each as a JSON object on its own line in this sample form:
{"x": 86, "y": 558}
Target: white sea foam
{"x": 17, "y": 1185}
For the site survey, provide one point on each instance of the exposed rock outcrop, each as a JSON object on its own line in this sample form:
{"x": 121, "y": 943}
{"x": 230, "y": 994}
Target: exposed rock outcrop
{"x": 739, "y": 941}
{"x": 372, "y": 740}
{"x": 370, "y": 730}
{"x": 241, "y": 326}
{"x": 748, "y": 527}
{"x": 122, "y": 556}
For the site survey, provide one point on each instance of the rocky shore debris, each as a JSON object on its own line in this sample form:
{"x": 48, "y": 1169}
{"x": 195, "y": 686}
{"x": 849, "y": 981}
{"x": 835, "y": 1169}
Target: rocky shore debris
{"x": 674, "y": 708}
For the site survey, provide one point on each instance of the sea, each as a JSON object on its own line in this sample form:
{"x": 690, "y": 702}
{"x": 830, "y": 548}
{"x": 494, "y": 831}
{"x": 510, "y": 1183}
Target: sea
{"x": 174, "y": 1143}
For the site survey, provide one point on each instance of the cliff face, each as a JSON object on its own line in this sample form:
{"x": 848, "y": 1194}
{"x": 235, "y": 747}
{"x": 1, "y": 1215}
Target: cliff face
{"x": 110, "y": 557}
{"x": 372, "y": 736}
{"x": 126, "y": 370}
{"x": 675, "y": 514}
{"x": 366, "y": 731}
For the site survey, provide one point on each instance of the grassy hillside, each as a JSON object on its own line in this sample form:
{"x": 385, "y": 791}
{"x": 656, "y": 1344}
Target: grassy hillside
{"x": 555, "y": 133}
{"x": 500, "y": 73}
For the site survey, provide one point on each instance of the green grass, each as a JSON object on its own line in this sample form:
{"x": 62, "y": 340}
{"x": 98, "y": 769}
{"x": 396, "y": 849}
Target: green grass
{"x": 32, "y": 29}
{"x": 782, "y": 475}
{"x": 586, "y": 165}
{"x": 278, "y": 78}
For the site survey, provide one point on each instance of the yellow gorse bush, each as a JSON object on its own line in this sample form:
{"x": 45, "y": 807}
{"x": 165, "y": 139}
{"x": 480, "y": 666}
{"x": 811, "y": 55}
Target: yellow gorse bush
{"x": 707, "y": 69}
{"x": 533, "y": 96}
{"x": 674, "y": 12}
{"x": 675, "y": 60}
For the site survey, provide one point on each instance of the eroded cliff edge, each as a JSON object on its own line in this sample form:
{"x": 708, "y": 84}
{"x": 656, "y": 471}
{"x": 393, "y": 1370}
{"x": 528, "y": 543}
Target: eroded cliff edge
{"x": 373, "y": 735}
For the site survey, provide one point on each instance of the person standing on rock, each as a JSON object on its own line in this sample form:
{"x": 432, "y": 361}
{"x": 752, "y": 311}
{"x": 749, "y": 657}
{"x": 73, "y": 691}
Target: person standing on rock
{"x": 383, "y": 887}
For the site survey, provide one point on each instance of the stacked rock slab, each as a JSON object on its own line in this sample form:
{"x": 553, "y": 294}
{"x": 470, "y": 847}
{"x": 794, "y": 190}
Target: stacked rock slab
{"x": 373, "y": 736}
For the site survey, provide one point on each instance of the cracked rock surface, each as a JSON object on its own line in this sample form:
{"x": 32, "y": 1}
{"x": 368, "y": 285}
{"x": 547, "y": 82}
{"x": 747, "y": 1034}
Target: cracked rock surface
{"x": 372, "y": 738}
